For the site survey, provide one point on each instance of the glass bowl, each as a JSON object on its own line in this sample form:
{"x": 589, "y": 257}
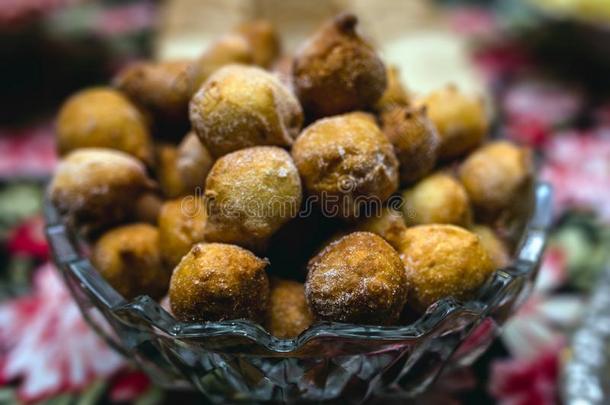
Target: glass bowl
{"x": 239, "y": 361}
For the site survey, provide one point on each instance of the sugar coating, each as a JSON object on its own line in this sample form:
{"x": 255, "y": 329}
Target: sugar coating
{"x": 128, "y": 258}
{"x": 216, "y": 282}
{"x": 443, "y": 261}
{"x": 437, "y": 199}
{"x": 240, "y": 107}
{"x": 358, "y": 278}
{"x": 249, "y": 194}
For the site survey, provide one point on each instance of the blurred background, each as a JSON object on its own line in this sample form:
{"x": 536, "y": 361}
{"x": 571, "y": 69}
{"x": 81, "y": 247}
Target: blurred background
{"x": 542, "y": 65}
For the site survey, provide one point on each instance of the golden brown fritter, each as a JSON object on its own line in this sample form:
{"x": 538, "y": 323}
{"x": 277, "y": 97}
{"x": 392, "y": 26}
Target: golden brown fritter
{"x": 147, "y": 208}
{"x": 497, "y": 250}
{"x": 128, "y": 258}
{"x": 263, "y": 40}
{"x": 496, "y": 175}
{"x": 389, "y": 224}
{"x": 216, "y": 282}
{"x": 443, "y": 261}
{"x": 336, "y": 71}
{"x": 181, "y": 225}
{"x": 249, "y": 194}
{"x": 461, "y": 120}
{"x": 167, "y": 173}
{"x": 240, "y": 107}
{"x": 96, "y": 187}
{"x": 348, "y": 163}
{"x": 102, "y": 117}
{"x": 161, "y": 88}
{"x": 287, "y": 314}
{"x": 437, "y": 199}
{"x": 358, "y": 278}
{"x": 193, "y": 163}
{"x": 415, "y": 141}
{"x": 395, "y": 94}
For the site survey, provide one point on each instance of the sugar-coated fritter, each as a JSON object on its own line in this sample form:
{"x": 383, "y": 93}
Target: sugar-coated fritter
{"x": 147, "y": 208}
{"x": 496, "y": 175}
{"x": 96, "y": 187}
{"x": 388, "y": 223}
{"x": 170, "y": 180}
{"x": 263, "y": 40}
{"x": 216, "y": 282}
{"x": 497, "y": 249}
{"x": 395, "y": 94}
{"x": 443, "y": 261}
{"x": 193, "y": 163}
{"x": 162, "y": 88}
{"x": 348, "y": 163}
{"x": 358, "y": 278}
{"x": 287, "y": 314}
{"x": 437, "y": 199}
{"x": 337, "y": 71}
{"x": 128, "y": 258}
{"x": 242, "y": 106}
{"x": 181, "y": 225}
{"x": 101, "y": 117}
{"x": 249, "y": 194}
{"x": 415, "y": 141}
{"x": 461, "y": 120}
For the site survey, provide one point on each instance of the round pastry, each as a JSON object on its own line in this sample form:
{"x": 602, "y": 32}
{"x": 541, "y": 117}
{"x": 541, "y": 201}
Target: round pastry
{"x": 193, "y": 163}
{"x": 495, "y": 247}
{"x": 358, "y": 278}
{"x": 249, "y": 194}
{"x": 162, "y": 88}
{"x": 128, "y": 258}
{"x": 167, "y": 172}
{"x": 437, "y": 199}
{"x": 181, "y": 225}
{"x": 102, "y": 117}
{"x": 443, "y": 261}
{"x": 495, "y": 175}
{"x": 347, "y": 163}
{"x": 216, "y": 282}
{"x": 336, "y": 71}
{"x": 147, "y": 208}
{"x": 461, "y": 120}
{"x": 287, "y": 314}
{"x": 263, "y": 40}
{"x": 96, "y": 187}
{"x": 415, "y": 141}
{"x": 395, "y": 94}
{"x": 388, "y": 223}
{"x": 240, "y": 107}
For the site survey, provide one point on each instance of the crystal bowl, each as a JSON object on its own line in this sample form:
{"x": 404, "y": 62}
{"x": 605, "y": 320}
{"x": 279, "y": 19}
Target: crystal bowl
{"x": 238, "y": 360}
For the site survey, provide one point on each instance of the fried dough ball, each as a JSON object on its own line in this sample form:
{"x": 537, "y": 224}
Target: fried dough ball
{"x": 181, "y": 225}
{"x": 347, "y": 162}
{"x": 162, "y": 88}
{"x": 216, "y": 282}
{"x": 263, "y": 39}
{"x": 287, "y": 314}
{"x": 415, "y": 141}
{"x": 395, "y": 94}
{"x": 336, "y": 71}
{"x": 228, "y": 49}
{"x": 147, "y": 208}
{"x": 241, "y": 106}
{"x": 437, "y": 199}
{"x": 358, "y": 278}
{"x": 96, "y": 187}
{"x": 167, "y": 172}
{"x": 443, "y": 261}
{"x": 128, "y": 258}
{"x": 389, "y": 224}
{"x": 101, "y": 117}
{"x": 193, "y": 162}
{"x": 250, "y": 194}
{"x": 461, "y": 120}
{"x": 495, "y": 175}
{"x": 495, "y": 247}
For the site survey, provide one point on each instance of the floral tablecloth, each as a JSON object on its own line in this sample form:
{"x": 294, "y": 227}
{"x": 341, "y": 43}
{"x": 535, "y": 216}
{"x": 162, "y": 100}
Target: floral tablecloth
{"x": 48, "y": 353}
